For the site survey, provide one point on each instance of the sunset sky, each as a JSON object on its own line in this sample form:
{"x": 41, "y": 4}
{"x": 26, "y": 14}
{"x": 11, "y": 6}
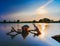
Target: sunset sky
{"x": 25, "y": 10}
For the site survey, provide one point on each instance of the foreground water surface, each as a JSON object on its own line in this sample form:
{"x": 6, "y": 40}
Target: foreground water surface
{"x": 48, "y": 30}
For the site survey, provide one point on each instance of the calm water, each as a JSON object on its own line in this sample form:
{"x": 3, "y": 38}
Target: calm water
{"x": 48, "y": 30}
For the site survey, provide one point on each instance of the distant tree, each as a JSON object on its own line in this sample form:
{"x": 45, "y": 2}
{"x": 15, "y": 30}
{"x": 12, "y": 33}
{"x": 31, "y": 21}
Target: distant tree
{"x": 44, "y": 20}
{"x": 4, "y": 20}
{"x": 18, "y": 20}
{"x": 59, "y": 21}
{"x": 34, "y": 21}
{"x": 40, "y": 20}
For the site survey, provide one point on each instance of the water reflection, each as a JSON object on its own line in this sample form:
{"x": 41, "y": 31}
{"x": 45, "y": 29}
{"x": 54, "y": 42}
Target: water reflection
{"x": 49, "y": 30}
{"x": 24, "y": 31}
{"x": 43, "y": 27}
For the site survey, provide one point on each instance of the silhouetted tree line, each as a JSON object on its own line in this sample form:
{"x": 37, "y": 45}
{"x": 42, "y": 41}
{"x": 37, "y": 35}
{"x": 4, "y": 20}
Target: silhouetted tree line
{"x": 5, "y": 21}
{"x": 44, "y": 20}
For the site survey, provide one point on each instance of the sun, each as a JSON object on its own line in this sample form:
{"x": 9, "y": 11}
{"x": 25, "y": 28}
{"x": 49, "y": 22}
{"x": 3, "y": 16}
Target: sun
{"x": 42, "y": 11}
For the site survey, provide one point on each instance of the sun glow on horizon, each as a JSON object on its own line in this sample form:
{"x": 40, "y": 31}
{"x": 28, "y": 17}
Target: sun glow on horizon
{"x": 42, "y": 11}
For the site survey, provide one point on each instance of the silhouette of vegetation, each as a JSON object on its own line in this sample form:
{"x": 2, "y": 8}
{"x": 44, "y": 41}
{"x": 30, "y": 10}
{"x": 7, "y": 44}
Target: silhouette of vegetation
{"x": 18, "y": 21}
{"x": 34, "y": 21}
{"x": 57, "y": 38}
{"x": 44, "y": 20}
{"x": 4, "y": 21}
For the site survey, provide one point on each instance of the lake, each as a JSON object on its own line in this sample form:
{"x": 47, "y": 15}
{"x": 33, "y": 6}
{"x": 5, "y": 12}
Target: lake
{"x": 47, "y": 29}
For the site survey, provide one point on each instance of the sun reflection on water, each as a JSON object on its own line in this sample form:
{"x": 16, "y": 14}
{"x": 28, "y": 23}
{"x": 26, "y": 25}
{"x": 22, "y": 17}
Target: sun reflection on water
{"x": 42, "y": 28}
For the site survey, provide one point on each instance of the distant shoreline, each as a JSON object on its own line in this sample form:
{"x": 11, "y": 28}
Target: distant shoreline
{"x": 29, "y": 22}
{"x": 44, "y": 20}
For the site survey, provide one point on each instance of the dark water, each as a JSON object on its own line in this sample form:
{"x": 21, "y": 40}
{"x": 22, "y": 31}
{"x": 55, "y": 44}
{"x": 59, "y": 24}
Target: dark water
{"x": 5, "y": 40}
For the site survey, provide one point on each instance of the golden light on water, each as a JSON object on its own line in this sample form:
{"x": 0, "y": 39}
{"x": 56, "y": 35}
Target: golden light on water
{"x": 42, "y": 29}
{"x": 43, "y": 33}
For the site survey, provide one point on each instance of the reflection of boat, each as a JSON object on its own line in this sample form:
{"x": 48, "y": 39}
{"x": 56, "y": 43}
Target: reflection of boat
{"x": 57, "y": 38}
{"x": 24, "y": 31}
{"x": 24, "y": 34}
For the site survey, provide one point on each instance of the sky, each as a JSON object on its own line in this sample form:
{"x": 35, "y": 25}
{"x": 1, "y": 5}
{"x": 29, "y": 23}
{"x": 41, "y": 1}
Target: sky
{"x": 20, "y": 9}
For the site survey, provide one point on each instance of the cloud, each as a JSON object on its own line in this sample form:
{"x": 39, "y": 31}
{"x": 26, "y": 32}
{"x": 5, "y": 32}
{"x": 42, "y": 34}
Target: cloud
{"x": 46, "y": 4}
